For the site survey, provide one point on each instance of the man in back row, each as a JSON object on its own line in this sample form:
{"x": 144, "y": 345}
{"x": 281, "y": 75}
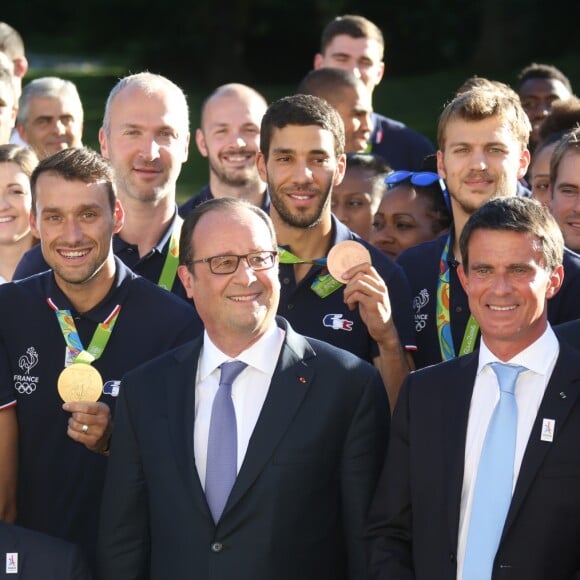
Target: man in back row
{"x": 145, "y": 134}
{"x": 351, "y": 99}
{"x": 483, "y": 136}
{"x": 50, "y": 116}
{"x": 354, "y": 43}
{"x": 229, "y": 136}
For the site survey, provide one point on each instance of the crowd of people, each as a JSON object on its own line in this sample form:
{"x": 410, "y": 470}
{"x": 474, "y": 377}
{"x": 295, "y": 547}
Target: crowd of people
{"x": 352, "y": 355}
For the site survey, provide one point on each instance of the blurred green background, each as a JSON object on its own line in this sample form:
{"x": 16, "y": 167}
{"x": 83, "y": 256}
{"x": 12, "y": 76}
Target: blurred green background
{"x": 414, "y": 99}
{"x": 431, "y": 48}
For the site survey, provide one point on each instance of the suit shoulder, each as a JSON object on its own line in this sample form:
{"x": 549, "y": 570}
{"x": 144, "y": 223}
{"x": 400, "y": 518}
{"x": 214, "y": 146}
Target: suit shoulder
{"x": 439, "y": 372}
{"x": 163, "y": 361}
{"x": 569, "y": 333}
{"x": 340, "y": 359}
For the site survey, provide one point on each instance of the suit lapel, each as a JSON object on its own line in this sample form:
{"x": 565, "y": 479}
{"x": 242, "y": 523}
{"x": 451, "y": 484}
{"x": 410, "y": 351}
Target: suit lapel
{"x": 455, "y": 414}
{"x": 561, "y": 395}
{"x": 290, "y": 383}
{"x": 180, "y": 389}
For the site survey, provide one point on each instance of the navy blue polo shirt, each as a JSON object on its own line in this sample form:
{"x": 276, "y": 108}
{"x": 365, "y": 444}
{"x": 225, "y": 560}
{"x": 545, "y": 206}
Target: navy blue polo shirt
{"x": 400, "y": 146}
{"x": 329, "y": 318}
{"x": 421, "y": 264}
{"x": 60, "y": 480}
{"x": 148, "y": 266}
{"x": 205, "y": 195}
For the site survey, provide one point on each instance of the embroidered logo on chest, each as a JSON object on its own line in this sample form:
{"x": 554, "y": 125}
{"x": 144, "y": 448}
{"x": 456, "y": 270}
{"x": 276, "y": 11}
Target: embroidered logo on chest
{"x": 337, "y": 322}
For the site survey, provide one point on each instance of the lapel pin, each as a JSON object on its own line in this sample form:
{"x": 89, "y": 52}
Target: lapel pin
{"x": 12, "y": 563}
{"x": 302, "y": 380}
{"x": 548, "y": 426}
{"x": 563, "y": 395}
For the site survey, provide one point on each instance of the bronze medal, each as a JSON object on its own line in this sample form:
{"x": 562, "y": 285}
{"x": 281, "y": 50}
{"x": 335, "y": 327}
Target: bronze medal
{"x": 346, "y": 255}
{"x": 80, "y": 382}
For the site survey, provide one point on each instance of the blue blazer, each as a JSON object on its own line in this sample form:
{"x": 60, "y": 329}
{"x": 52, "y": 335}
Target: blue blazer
{"x": 414, "y": 519}
{"x": 298, "y": 507}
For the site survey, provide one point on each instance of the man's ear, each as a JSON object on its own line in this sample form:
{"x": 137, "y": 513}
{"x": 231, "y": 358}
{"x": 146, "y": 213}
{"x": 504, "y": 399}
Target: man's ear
{"x": 186, "y": 278}
{"x": 463, "y": 278}
{"x": 261, "y": 165}
{"x": 20, "y": 66}
{"x": 200, "y": 142}
{"x": 103, "y": 143}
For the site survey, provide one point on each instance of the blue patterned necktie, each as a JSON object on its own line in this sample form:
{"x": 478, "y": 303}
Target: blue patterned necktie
{"x": 494, "y": 483}
{"x": 222, "y": 444}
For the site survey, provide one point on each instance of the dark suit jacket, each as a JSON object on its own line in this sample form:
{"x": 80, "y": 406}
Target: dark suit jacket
{"x": 414, "y": 519}
{"x": 569, "y": 332}
{"x": 298, "y": 506}
{"x": 40, "y": 557}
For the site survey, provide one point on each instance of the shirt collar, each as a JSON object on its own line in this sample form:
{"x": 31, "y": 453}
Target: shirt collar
{"x": 259, "y": 355}
{"x": 539, "y": 357}
{"x": 116, "y": 294}
{"x": 161, "y": 246}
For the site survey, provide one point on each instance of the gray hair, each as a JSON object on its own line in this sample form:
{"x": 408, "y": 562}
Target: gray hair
{"x": 53, "y": 87}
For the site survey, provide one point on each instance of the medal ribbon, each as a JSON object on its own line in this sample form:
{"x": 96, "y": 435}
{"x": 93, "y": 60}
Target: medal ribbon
{"x": 444, "y": 316}
{"x": 169, "y": 269}
{"x": 287, "y": 257}
{"x": 324, "y": 284}
{"x": 71, "y": 336}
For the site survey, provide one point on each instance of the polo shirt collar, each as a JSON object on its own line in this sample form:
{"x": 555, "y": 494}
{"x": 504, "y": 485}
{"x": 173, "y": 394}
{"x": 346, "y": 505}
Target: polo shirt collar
{"x": 116, "y": 295}
{"x": 119, "y": 244}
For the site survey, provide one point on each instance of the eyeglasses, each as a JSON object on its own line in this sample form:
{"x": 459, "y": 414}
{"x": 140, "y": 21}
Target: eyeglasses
{"x": 228, "y": 264}
{"x": 420, "y": 178}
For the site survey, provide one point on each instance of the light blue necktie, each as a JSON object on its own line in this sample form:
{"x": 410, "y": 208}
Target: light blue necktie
{"x": 494, "y": 483}
{"x": 222, "y": 444}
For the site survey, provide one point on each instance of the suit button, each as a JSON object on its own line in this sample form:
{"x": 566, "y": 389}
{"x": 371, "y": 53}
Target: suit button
{"x": 217, "y": 547}
{"x": 452, "y": 558}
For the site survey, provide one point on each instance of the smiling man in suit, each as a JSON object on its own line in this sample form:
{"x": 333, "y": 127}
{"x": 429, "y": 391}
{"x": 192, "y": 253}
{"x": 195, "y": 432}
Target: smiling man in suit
{"x": 267, "y": 475}
{"x": 447, "y": 507}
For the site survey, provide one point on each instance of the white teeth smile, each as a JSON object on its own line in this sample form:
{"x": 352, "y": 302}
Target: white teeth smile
{"x": 301, "y": 197}
{"x": 244, "y": 298}
{"x": 6, "y": 219}
{"x": 236, "y": 158}
{"x": 501, "y": 308}
{"x": 77, "y": 254}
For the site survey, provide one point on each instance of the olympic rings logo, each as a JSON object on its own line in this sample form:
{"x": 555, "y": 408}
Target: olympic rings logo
{"x": 25, "y": 388}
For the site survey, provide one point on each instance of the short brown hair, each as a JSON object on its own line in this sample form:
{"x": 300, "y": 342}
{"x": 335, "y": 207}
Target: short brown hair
{"x": 301, "y": 110}
{"x": 570, "y": 141}
{"x": 480, "y": 103}
{"x": 218, "y": 204}
{"x": 517, "y": 214}
{"x": 77, "y": 164}
{"x": 351, "y": 25}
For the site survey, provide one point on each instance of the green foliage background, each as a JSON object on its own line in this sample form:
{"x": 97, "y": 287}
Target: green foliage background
{"x": 432, "y": 46}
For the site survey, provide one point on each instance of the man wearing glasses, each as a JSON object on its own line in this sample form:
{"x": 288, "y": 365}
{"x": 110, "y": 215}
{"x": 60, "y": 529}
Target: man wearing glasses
{"x": 252, "y": 452}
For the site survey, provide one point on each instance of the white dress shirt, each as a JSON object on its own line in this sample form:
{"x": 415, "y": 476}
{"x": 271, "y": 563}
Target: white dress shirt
{"x": 249, "y": 390}
{"x": 540, "y": 358}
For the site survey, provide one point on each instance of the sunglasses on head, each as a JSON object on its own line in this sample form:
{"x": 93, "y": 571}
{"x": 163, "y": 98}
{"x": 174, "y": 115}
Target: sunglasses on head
{"x": 420, "y": 178}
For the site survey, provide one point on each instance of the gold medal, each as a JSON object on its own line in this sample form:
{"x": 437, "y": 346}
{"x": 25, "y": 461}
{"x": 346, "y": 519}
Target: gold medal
{"x": 80, "y": 382}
